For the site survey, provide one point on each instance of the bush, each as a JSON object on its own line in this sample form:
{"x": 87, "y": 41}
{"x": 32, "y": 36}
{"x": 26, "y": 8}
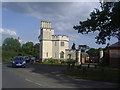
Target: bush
{"x": 71, "y": 63}
{"x": 49, "y": 60}
{"x": 62, "y": 62}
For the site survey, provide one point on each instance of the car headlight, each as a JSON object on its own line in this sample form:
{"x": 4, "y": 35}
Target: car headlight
{"x": 24, "y": 62}
{"x": 13, "y": 62}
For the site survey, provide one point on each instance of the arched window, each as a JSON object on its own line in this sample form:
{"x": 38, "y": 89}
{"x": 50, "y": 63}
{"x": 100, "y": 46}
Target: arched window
{"x": 62, "y": 54}
{"x": 69, "y": 56}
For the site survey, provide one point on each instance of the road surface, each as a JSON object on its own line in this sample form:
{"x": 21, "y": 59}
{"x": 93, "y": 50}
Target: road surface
{"x": 40, "y": 76}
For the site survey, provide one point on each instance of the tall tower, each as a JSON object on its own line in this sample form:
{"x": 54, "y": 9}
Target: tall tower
{"x": 45, "y": 39}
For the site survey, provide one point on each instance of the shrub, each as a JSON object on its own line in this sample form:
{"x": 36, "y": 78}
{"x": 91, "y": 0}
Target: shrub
{"x": 71, "y": 63}
{"x": 49, "y": 60}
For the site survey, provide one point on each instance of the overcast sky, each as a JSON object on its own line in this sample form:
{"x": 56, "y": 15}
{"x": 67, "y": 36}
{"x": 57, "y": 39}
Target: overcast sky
{"x": 22, "y": 19}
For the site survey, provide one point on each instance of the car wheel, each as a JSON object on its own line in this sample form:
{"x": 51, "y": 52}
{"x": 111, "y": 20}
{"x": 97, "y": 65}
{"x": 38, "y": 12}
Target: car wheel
{"x": 24, "y": 66}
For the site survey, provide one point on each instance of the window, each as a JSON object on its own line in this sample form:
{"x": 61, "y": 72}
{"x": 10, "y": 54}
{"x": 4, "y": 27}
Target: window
{"x": 62, "y": 54}
{"x": 47, "y": 54}
{"x": 55, "y": 44}
{"x": 69, "y": 56}
{"x": 62, "y": 43}
{"x": 55, "y": 55}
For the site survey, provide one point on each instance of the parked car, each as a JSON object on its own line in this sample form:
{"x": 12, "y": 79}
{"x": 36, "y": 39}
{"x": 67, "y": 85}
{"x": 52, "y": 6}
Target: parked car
{"x": 18, "y": 61}
{"x": 26, "y": 58}
{"x": 37, "y": 60}
{"x": 33, "y": 59}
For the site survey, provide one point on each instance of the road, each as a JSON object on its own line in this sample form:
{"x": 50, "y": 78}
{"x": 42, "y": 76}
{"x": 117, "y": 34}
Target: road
{"x": 40, "y": 76}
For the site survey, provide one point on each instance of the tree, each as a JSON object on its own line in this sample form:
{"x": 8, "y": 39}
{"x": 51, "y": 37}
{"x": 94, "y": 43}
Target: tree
{"x": 105, "y": 21}
{"x": 36, "y": 50}
{"x": 28, "y": 48}
{"x": 83, "y": 47}
{"x": 11, "y": 44}
{"x": 10, "y": 48}
{"x": 93, "y": 52}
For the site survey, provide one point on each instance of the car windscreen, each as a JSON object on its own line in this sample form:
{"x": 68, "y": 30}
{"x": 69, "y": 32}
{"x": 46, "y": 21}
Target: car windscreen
{"x": 18, "y": 58}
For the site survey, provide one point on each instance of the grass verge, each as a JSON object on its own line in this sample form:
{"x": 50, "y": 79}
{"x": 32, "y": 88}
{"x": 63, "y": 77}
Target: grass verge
{"x": 100, "y": 74}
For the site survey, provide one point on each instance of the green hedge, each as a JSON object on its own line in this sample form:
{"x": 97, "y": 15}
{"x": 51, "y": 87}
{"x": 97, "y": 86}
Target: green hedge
{"x": 55, "y": 61}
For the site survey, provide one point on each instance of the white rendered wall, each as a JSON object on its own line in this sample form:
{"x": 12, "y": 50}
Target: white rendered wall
{"x": 46, "y": 43}
{"x": 48, "y": 49}
{"x": 57, "y": 48}
{"x": 62, "y": 48}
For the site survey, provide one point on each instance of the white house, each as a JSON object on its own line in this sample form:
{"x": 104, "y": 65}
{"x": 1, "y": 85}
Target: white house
{"x": 55, "y": 46}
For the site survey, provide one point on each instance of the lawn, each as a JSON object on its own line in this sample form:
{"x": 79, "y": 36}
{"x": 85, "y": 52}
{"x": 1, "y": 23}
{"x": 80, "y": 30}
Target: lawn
{"x": 106, "y": 74}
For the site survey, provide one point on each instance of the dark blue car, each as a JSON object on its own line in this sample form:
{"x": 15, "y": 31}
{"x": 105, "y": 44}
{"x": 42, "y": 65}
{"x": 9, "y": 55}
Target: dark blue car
{"x": 18, "y": 61}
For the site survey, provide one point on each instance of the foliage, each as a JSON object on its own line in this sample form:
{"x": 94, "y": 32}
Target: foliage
{"x": 51, "y": 64}
{"x": 8, "y": 55}
{"x": 49, "y": 60}
{"x": 93, "y": 52}
{"x": 54, "y": 61}
{"x": 28, "y": 48}
{"x": 36, "y": 50}
{"x": 71, "y": 63}
{"x": 11, "y": 47}
{"x": 105, "y": 21}
{"x": 11, "y": 44}
{"x": 83, "y": 47}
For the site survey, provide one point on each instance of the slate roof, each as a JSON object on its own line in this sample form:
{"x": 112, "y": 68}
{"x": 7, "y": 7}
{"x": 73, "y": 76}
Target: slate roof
{"x": 115, "y": 45}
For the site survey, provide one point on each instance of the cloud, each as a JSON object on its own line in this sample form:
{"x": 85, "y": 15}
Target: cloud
{"x": 54, "y": 11}
{"x": 7, "y": 32}
{"x": 63, "y": 15}
{"x": 22, "y": 41}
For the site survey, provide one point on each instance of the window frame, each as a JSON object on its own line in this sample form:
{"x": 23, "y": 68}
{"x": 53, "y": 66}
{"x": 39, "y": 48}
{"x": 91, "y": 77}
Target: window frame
{"x": 62, "y": 44}
{"x": 62, "y": 55}
{"x": 47, "y": 54}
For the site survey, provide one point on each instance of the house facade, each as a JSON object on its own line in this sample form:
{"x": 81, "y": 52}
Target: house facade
{"x": 55, "y": 46}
